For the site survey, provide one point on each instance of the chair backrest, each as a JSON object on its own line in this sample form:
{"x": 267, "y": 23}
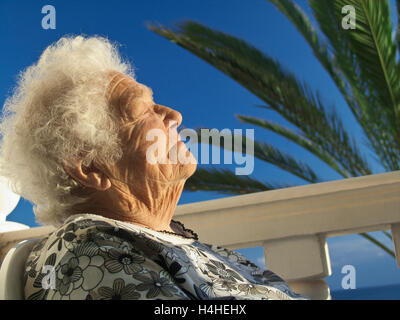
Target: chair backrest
{"x": 12, "y": 271}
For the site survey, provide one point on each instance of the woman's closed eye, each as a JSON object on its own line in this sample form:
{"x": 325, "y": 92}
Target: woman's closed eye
{"x": 162, "y": 112}
{"x": 145, "y": 112}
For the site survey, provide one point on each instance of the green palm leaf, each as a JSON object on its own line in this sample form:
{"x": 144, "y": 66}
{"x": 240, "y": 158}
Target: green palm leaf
{"x": 298, "y": 139}
{"x": 338, "y": 61}
{"x": 375, "y": 51}
{"x": 226, "y": 181}
{"x": 370, "y": 111}
{"x": 268, "y": 153}
{"x": 378, "y": 243}
{"x": 279, "y": 88}
{"x": 398, "y": 24}
{"x": 361, "y": 62}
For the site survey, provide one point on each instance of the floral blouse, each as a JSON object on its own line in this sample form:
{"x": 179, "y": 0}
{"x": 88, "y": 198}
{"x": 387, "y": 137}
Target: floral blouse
{"x": 92, "y": 257}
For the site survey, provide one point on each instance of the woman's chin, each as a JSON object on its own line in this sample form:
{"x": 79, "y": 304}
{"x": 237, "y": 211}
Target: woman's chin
{"x": 190, "y": 168}
{"x": 181, "y": 161}
{"x": 186, "y": 161}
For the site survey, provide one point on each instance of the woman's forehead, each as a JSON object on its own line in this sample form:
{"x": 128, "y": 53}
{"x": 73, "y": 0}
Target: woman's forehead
{"x": 121, "y": 85}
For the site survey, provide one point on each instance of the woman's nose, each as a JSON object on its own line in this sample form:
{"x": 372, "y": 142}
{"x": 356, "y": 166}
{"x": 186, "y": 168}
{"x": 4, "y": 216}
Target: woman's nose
{"x": 176, "y": 116}
{"x": 172, "y": 116}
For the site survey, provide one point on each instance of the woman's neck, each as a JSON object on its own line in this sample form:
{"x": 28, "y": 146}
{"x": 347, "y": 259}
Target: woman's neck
{"x": 152, "y": 210}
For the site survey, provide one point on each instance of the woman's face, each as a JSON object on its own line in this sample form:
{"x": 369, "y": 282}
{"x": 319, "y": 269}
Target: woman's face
{"x": 141, "y": 119}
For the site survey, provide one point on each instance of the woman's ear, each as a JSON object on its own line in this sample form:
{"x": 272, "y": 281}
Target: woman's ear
{"x": 88, "y": 176}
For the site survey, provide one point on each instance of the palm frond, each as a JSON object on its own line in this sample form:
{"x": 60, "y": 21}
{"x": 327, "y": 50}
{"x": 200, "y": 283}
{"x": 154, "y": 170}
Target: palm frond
{"x": 279, "y": 88}
{"x": 268, "y": 153}
{"x": 336, "y": 58}
{"x": 298, "y": 139}
{"x": 361, "y": 62}
{"x": 319, "y": 46}
{"x": 398, "y": 24}
{"x": 387, "y": 234}
{"x": 226, "y": 181}
{"x": 378, "y": 243}
{"x": 360, "y": 93}
{"x": 373, "y": 46}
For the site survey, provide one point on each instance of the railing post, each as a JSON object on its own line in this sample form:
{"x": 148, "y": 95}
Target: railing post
{"x": 395, "y": 228}
{"x": 303, "y": 261}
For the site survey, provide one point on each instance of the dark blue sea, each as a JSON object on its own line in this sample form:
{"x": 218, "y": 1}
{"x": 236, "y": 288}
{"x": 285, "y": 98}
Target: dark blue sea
{"x": 391, "y": 292}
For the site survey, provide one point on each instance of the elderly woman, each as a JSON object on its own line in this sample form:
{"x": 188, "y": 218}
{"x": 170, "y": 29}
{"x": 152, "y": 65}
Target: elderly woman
{"x": 74, "y": 143}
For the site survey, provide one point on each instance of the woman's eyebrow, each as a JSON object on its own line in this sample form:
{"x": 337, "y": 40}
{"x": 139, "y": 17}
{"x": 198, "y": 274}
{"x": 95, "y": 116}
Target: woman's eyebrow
{"x": 142, "y": 91}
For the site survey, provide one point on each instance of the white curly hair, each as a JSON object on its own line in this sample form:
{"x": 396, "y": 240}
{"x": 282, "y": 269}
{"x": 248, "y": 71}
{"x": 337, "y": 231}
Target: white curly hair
{"x": 59, "y": 111}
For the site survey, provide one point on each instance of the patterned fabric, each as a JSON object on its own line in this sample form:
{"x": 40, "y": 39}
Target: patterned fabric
{"x": 92, "y": 257}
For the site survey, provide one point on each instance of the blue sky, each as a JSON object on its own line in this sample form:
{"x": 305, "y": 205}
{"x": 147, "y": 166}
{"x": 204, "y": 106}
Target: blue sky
{"x": 203, "y": 95}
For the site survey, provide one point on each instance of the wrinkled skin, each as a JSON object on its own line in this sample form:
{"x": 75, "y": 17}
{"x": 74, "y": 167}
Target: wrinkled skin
{"x": 134, "y": 190}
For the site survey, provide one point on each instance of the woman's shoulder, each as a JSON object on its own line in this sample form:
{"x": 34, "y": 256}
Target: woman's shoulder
{"x": 88, "y": 230}
{"x": 85, "y": 254}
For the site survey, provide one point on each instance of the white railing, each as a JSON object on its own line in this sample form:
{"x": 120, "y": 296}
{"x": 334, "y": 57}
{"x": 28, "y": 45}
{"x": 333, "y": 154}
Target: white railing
{"x": 291, "y": 224}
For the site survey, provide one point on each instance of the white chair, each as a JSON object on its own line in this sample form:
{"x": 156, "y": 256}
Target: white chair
{"x": 12, "y": 271}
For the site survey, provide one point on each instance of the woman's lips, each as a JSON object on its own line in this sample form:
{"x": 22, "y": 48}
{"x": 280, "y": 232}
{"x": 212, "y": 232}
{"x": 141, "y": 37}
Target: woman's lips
{"x": 177, "y": 138}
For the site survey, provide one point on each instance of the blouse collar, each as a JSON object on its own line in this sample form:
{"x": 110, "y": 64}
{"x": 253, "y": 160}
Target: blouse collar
{"x": 178, "y": 227}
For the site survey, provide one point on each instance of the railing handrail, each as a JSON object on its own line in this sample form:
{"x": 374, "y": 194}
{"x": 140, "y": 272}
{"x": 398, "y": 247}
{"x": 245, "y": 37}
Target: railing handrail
{"x": 331, "y": 208}
{"x": 291, "y": 203}
{"x": 297, "y": 192}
